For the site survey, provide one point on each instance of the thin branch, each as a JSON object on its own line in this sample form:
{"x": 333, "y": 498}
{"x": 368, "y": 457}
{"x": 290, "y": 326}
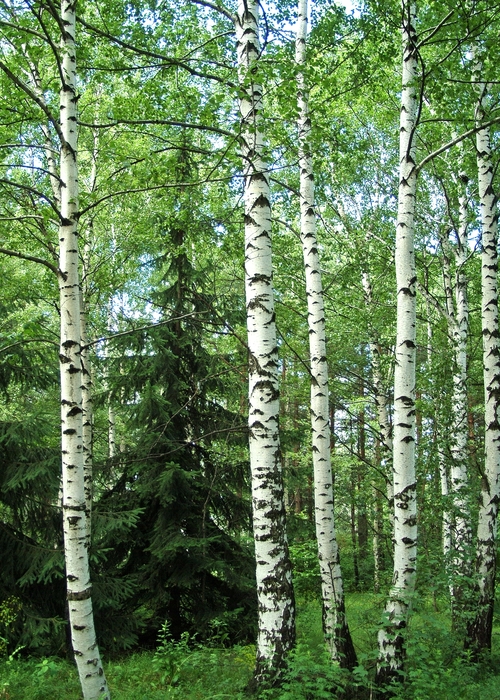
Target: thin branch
{"x": 160, "y": 122}
{"x": 107, "y": 338}
{"x": 284, "y": 185}
{"x": 33, "y": 191}
{"x": 455, "y": 141}
{"x": 435, "y": 303}
{"x": 152, "y": 189}
{"x": 21, "y": 218}
{"x": 434, "y": 30}
{"x": 31, "y": 258}
{"x": 19, "y": 27}
{"x": 213, "y": 6}
{"x": 29, "y": 340}
{"x": 152, "y": 54}
{"x": 22, "y": 86}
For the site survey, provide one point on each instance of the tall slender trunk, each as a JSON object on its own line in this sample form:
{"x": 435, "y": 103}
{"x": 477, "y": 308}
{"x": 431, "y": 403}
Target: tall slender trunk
{"x": 459, "y": 520}
{"x": 86, "y": 357}
{"x": 87, "y": 412}
{"x": 381, "y": 402}
{"x": 446, "y": 526}
{"x": 391, "y": 636}
{"x": 480, "y": 629}
{"x": 83, "y": 638}
{"x": 334, "y": 620}
{"x": 276, "y": 607}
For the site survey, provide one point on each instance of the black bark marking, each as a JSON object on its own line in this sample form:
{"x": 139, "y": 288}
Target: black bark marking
{"x": 80, "y": 595}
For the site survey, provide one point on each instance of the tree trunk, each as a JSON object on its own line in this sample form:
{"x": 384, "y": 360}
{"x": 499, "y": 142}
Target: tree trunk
{"x": 391, "y": 636}
{"x": 276, "y": 634}
{"x": 480, "y": 629}
{"x": 334, "y": 620}
{"x": 381, "y": 403}
{"x": 460, "y": 537}
{"x": 87, "y": 657}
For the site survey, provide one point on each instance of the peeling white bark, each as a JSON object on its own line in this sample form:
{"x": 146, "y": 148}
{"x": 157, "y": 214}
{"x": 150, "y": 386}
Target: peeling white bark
{"x": 334, "y": 620}
{"x": 391, "y": 636}
{"x": 74, "y": 505}
{"x": 276, "y": 608}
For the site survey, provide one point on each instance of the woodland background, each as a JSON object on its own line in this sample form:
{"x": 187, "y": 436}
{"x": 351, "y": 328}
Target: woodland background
{"x": 161, "y": 232}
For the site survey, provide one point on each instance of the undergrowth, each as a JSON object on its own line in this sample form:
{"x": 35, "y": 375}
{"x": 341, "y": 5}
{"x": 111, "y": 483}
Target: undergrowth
{"x": 184, "y": 670}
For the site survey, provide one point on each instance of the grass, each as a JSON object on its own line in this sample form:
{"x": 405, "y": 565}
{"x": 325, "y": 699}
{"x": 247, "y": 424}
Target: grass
{"x": 179, "y": 671}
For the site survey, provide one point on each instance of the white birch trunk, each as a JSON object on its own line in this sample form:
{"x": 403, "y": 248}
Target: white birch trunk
{"x": 446, "y": 524}
{"x": 87, "y": 388}
{"x": 85, "y": 648}
{"x": 87, "y": 418}
{"x": 391, "y": 636}
{"x": 458, "y": 328}
{"x": 87, "y": 398}
{"x": 479, "y": 633}
{"x": 381, "y": 404}
{"x": 334, "y": 620}
{"x": 111, "y": 409}
{"x": 276, "y": 608}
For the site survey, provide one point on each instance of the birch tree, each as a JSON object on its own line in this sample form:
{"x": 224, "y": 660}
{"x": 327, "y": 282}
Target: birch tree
{"x": 457, "y": 535}
{"x": 79, "y": 588}
{"x": 480, "y": 629}
{"x": 334, "y": 619}
{"x": 391, "y": 636}
{"x": 276, "y": 607}
{"x": 63, "y": 178}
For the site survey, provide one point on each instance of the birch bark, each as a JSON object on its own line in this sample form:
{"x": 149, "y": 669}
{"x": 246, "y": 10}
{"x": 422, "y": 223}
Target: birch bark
{"x": 276, "y": 607}
{"x": 381, "y": 402}
{"x": 391, "y": 636}
{"x": 480, "y": 629}
{"x": 334, "y": 619}
{"x": 459, "y": 538}
{"x": 83, "y": 638}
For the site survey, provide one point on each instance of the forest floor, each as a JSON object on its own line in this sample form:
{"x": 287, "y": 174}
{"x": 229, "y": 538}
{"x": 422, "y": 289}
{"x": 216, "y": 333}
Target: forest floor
{"x": 436, "y": 668}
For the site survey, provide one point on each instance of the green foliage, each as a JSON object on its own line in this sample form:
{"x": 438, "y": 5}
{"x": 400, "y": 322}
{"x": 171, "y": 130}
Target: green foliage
{"x": 186, "y": 670}
{"x": 170, "y": 656}
{"x": 306, "y": 574}
{"x": 310, "y": 676}
{"x": 9, "y": 611}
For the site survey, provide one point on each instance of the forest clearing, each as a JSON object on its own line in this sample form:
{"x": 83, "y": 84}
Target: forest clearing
{"x": 249, "y": 349}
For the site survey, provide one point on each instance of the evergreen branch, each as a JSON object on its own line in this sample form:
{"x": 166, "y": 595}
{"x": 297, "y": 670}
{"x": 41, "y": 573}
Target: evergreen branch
{"x": 31, "y": 258}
